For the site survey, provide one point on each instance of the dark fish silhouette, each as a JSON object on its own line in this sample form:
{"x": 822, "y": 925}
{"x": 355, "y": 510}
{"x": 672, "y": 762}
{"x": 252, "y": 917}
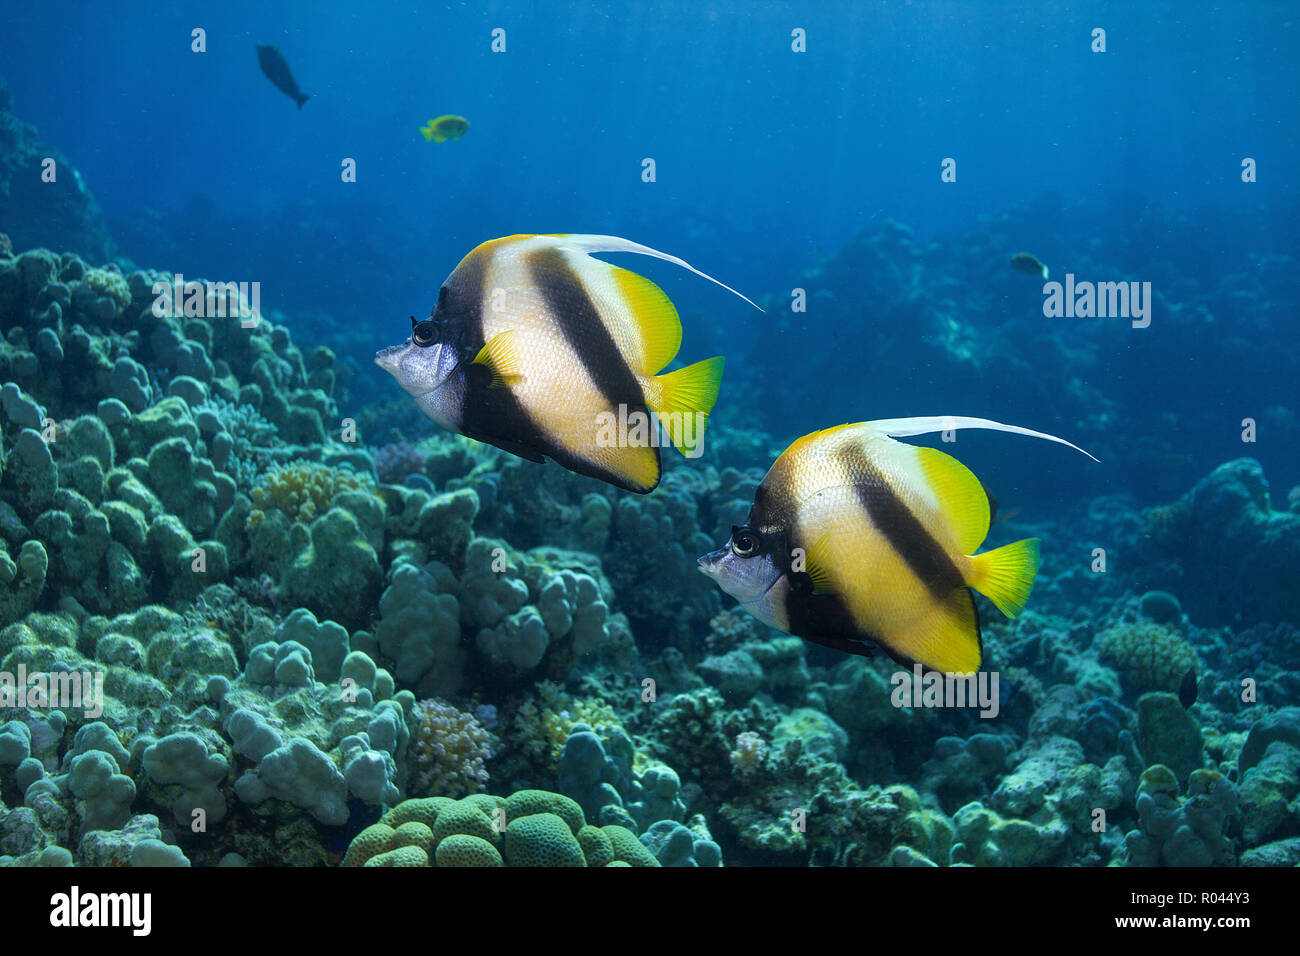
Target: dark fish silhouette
{"x": 277, "y": 71}
{"x": 1187, "y": 691}
{"x": 1024, "y": 262}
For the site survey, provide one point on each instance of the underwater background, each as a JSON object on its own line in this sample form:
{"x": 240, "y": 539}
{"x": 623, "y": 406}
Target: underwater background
{"x": 331, "y": 633}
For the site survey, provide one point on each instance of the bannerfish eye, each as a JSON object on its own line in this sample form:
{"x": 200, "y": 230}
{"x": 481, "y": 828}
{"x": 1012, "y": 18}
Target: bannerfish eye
{"x": 745, "y": 542}
{"x": 424, "y": 333}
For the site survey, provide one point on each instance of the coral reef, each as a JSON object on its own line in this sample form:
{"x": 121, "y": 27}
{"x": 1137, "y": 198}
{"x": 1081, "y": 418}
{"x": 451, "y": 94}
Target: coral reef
{"x": 327, "y": 637}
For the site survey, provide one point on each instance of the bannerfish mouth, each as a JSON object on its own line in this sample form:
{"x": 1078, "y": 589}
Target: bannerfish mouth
{"x": 708, "y": 563}
{"x": 387, "y": 358}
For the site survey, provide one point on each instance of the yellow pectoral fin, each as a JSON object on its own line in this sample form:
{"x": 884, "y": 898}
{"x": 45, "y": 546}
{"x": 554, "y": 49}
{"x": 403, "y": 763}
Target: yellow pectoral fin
{"x": 683, "y": 401}
{"x": 1005, "y": 575}
{"x": 500, "y": 356}
{"x": 817, "y": 562}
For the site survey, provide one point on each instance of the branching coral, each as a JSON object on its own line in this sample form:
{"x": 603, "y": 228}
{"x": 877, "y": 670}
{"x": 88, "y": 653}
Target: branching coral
{"x": 748, "y": 754}
{"x": 251, "y": 438}
{"x": 542, "y": 724}
{"x": 449, "y": 751}
{"x": 396, "y": 460}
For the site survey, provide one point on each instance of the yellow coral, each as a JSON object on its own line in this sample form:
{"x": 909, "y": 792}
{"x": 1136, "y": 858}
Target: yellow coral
{"x": 1147, "y": 656}
{"x": 543, "y": 724}
{"x": 108, "y": 283}
{"x": 301, "y": 491}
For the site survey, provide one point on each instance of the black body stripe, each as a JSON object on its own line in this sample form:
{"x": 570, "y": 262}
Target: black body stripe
{"x": 905, "y": 534}
{"x": 819, "y": 617}
{"x": 584, "y": 329}
{"x": 492, "y": 415}
{"x": 823, "y": 619}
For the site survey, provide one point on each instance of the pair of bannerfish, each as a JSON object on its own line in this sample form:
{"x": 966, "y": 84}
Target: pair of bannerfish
{"x": 853, "y": 540}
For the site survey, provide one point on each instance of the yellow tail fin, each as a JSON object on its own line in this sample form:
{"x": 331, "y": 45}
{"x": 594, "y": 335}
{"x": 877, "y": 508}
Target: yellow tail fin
{"x": 685, "y": 398}
{"x": 428, "y": 132}
{"x": 1005, "y": 575}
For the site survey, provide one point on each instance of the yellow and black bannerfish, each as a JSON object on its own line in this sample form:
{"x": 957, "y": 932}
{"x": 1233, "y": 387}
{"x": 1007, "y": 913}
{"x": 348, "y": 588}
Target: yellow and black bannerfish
{"x": 444, "y": 128}
{"x": 855, "y": 539}
{"x": 538, "y": 348}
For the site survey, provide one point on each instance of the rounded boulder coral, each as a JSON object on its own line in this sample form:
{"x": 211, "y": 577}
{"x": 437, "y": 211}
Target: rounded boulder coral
{"x": 1147, "y": 656}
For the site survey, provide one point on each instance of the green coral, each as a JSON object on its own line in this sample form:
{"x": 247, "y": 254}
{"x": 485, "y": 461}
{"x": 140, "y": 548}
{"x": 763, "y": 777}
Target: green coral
{"x": 301, "y": 491}
{"x": 542, "y": 839}
{"x": 985, "y": 838}
{"x": 108, "y": 283}
{"x": 1148, "y": 656}
{"x": 459, "y": 849}
{"x": 596, "y": 846}
{"x": 402, "y": 856}
{"x": 627, "y": 849}
{"x": 466, "y": 817}
{"x": 422, "y": 810}
{"x": 525, "y": 803}
{"x": 542, "y": 829}
{"x": 370, "y": 842}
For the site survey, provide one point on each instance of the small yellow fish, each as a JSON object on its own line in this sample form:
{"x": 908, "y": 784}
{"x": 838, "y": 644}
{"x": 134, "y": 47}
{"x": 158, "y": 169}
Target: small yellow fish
{"x": 1024, "y": 262}
{"x": 444, "y": 128}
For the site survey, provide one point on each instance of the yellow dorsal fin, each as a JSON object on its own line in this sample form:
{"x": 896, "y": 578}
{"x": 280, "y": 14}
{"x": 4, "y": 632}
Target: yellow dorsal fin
{"x": 683, "y": 400}
{"x": 817, "y": 563}
{"x": 499, "y": 355}
{"x": 658, "y": 327}
{"x": 1005, "y": 575}
{"x": 962, "y": 499}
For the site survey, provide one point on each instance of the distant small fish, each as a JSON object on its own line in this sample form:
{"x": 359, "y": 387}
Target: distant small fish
{"x": 1188, "y": 689}
{"x": 277, "y": 71}
{"x": 1024, "y": 262}
{"x": 444, "y": 128}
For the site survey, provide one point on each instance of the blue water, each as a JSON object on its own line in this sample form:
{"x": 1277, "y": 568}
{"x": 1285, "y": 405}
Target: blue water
{"x": 764, "y": 157}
